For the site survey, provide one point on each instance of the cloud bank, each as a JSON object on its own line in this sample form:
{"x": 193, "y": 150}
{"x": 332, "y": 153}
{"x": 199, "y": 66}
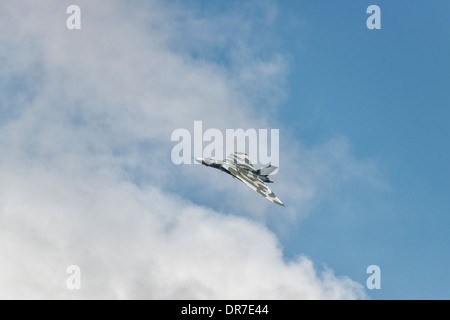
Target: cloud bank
{"x": 85, "y": 171}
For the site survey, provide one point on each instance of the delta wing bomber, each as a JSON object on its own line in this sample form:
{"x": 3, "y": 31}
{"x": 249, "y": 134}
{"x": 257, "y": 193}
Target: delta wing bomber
{"x": 239, "y": 166}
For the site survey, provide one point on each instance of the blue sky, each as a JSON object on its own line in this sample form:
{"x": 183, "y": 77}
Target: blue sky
{"x": 388, "y": 92}
{"x": 85, "y": 171}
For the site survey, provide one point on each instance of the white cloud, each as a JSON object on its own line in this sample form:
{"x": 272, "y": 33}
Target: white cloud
{"x": 140, "y": 243}
{"x": 84, "y": 110}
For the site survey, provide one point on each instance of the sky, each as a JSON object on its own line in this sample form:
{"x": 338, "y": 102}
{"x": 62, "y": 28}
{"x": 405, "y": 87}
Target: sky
{"x": 386, "y": 91}
{"x": 86, "y": 176}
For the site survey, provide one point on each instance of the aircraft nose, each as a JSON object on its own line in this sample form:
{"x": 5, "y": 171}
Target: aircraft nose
{"x": 199, "y": 160}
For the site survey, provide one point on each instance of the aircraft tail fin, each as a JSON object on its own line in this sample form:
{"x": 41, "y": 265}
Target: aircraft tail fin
{"x": 267, "y": 170}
